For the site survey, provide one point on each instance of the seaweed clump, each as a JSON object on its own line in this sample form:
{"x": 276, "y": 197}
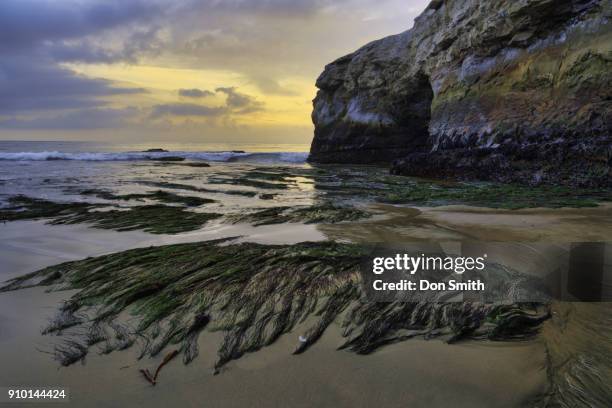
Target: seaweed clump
{"x": 506, "y": 196}
{"x": 156, "y": 219}
{"x": 267, "y": 178}
{"x": 322, "y": 213}
{"x": 158, "y": 195}
{"x": 248, "y": 182}
{"x": 187, "y": 187}
{"x": 254, "y": 294}
{"x": 21, "y": 207}
{"x": 375, "y": 184}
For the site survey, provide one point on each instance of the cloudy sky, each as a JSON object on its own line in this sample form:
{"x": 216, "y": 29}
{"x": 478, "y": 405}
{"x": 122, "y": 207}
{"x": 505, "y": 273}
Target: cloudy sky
{"x": 176, "y": 70}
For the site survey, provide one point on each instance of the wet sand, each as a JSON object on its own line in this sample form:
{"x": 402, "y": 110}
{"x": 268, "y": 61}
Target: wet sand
{"x": 449, "y": 223}
{"x": 414, "y": 373}
{"x": 46, "y": 245}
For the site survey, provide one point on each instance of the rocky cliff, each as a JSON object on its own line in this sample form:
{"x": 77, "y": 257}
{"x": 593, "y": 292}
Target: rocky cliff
{"x": 506, "y": 90}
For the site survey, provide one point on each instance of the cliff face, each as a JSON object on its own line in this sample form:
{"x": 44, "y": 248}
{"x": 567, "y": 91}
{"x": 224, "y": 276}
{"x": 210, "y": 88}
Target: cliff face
{"x": 509, "y": 90}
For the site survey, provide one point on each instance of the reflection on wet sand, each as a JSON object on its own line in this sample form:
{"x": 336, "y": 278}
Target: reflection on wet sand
{"x": 578, "y": 338}
{"x": 405, "y": 224}
{"x": 568, "y": 362}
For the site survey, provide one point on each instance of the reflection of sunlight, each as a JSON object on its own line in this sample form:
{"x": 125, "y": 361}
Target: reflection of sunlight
{"x": 303, "y": 183}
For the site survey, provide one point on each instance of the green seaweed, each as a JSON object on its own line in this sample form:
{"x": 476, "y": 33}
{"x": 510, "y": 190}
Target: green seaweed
{"x": 159, "y": 195}
{"x": 370, "y": 183}
{"x": 187, "y": 187}
{"x": 156, "y": 219}
{"x": 321, "y": 213}
{"x": 245, "y": 181}
{"x": 590, "y": 68}
{"x": 162, "y": 219}
{"x": 273, "y": 178}
{"x": 21, "y": 207}
{"x": 505, "y": 196}
{"x": 254, "y": 294}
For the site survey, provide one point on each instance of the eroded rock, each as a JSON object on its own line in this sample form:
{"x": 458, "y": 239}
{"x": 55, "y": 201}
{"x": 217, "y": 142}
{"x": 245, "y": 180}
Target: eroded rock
{"x": 513, "y": 91}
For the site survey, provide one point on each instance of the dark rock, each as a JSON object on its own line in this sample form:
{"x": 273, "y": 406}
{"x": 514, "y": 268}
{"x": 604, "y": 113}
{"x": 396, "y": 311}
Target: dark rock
{"x": 156, "y": 150}
{"x": 168, "y": 159}
{"x": 267, "y": 196}
{"x": 189, "y": 164}
{"x": 505, "y": 91}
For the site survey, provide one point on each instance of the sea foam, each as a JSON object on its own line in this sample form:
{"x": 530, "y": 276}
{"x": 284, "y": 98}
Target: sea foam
{"x": 288, "y": 157}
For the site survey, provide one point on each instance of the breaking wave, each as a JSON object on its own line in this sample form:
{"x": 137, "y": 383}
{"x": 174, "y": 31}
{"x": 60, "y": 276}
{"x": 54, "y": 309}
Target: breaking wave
{"x": 287, "y": 157}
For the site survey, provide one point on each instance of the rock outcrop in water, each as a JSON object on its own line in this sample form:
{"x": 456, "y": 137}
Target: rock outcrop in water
{"x": 513, "y": 91}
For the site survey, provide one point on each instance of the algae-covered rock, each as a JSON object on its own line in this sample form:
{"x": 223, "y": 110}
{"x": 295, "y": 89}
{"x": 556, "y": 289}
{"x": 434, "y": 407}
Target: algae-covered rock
{"x": 500, "y": 90}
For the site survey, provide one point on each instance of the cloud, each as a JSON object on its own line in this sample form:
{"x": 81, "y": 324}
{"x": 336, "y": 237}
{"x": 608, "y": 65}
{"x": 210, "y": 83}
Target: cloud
{"x": 194, "y": 93}
{"x": 84, "y": 31}
{"x": 81, "y": 119}
{"x": 25, "y": 23}
{"x": 236, "y": 103}
{"x": 278, "y": 39}
{"x": 35, "y": 35}
{"x": 271, "y": 87}
{"x": 187, "y": 109}
{"x": 266, "y": 43}
{"x": 26, "y": 87}
{"x": 128, "y": 50}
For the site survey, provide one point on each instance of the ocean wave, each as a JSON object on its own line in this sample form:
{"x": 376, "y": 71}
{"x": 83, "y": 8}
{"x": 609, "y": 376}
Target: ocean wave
{"x": 268, "y": 157}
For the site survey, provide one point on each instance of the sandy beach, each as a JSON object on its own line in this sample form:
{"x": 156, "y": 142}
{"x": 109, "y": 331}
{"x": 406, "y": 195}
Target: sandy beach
{"x": 457, "y": 222}
{"x": 416, "y": 372}
{"x": 314, "y": 203}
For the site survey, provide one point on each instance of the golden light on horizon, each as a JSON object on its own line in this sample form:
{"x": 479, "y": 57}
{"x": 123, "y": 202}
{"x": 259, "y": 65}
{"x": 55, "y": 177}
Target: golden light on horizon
{"x": 247, "y": 72}
{"x": 162, "y": 85}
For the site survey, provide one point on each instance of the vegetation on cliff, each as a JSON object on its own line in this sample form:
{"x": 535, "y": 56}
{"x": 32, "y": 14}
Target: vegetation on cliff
{"x": 510, "y": 91}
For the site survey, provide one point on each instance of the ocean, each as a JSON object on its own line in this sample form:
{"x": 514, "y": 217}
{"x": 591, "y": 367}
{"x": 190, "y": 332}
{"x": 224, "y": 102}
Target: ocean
{"x": 96, "y": 151}
{"x": 60, "y": 170}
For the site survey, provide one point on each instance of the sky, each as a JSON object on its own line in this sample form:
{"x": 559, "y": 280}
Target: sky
{"x": 238, "y": 71}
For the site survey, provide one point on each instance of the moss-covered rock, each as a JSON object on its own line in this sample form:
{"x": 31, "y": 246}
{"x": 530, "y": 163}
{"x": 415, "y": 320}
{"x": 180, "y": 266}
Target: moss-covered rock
{"x": 511, "y": 91}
